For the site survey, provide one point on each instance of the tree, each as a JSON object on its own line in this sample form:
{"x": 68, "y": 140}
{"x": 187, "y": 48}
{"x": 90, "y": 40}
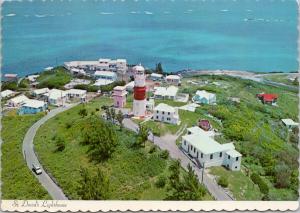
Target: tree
{"x": 174, "y": 188}
{"x": 223, "y": 181}
{"x": 113, "y": 114}
{"x": 142, "y": 136}
{"x": 83, "y": 112}
{"x": 295, "y": 82}
{"x": 192, "y": 189}
{"x": 282, "y": 175}
{"x": 101, "y": 138}
{"x": 187, "y": 189}
{"x": 120, "y": 118}
{"x": 93, "y": 187}
{"x": 60, "y": 144}
{"x": 159, "y": 69}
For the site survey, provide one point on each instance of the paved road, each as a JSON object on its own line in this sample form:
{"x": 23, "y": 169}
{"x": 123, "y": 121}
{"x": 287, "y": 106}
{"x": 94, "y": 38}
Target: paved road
{"x": 30, "y": 157}
{"x": 168, "y": 142}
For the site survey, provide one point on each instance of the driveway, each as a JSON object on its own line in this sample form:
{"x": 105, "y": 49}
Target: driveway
{"x": 168, "y": 142}
{"x": 30, "y": 156}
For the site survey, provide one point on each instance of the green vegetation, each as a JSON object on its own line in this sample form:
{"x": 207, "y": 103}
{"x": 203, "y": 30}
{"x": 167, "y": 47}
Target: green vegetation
{"x": 282, "y": 78}
{"x": 55, "y": 78}
{"x": 239, "y": 184}
{"x": 184, "y": 187}
{"x": 110, "y": 87}
{"x": 133, "y": 172}
{"x": 9, "y": 85}
{"x": 18, "y": 182}
{"x": 223, "y": 181}
{"x": 261, "y": 184}
{"x": 159, "y": 68}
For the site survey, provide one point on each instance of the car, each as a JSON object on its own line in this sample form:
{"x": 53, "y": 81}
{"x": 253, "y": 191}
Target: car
{"x": 36, "y": 169}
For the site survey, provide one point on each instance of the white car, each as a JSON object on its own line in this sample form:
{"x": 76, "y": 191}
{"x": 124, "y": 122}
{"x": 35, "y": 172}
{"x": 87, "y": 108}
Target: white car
{"x": 36, "y": 169}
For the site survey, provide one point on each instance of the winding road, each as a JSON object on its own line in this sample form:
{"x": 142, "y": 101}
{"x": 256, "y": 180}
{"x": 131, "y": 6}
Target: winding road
{"x": 30, "y": 156}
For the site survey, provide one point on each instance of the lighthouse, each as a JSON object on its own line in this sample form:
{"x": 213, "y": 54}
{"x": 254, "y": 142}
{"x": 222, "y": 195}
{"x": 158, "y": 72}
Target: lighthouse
{"x": 139, "y": 91}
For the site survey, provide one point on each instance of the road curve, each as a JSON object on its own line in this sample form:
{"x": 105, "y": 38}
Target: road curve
{"x": 30, "y": 157}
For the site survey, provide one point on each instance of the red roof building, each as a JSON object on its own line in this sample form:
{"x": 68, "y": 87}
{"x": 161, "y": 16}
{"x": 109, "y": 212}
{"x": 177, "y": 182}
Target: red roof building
{"x": 268, "y": 98}
{"x": 204, "y": 124}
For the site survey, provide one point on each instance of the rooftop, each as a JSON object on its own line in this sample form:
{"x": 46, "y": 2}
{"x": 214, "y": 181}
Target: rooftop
{"x": 203, "y": 142}
{"x": 289, "y": 122}
{"x": 105, "y": 73}
{"x": 233, "y": 153}
{"x": 40, "y": 91}
{"x": 76, "y": 91}
{"x": 34, "y": 103}
{"x": 205, "y": 94}
{"x": 165, "y": 108}
{"x": 176, "y": 77}
{"x": 6, "y": 93}
{"x": 101, "y": 82}
{"x": 19, "y": 99}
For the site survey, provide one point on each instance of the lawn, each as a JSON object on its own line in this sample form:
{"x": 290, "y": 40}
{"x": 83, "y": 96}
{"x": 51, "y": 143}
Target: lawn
{"x": 132, "y": 171}
{"x": 18, "y": 182}
{"x": 55, "y": 78}
{"x": 239, "y": 184}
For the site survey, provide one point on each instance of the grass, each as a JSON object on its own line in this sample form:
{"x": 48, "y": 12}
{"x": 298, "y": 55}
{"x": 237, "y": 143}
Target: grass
{"x": 239, "y": 184}
{"x": 132, "y": 171}
{"x": 280, "y": 78}
{"x": 55, "y": 78}
{"x": 18, "y": 182}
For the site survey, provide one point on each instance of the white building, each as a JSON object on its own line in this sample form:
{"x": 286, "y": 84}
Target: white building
{"x": 17, "y": 101}
{"x": 106, "y": 75}
{"x": 103, "y": 64}
{"x": 76, "y": 93}
{"x": 40, "y": 92}
{"x": 7, "y": 93}
{"x": 289, "y": 123}
{"x": 56, "y": 97}
{"x": 165, "y": 93}
{"x": 32, "y": 78}
{"x": 203, "y": 97}
{"x": 207, "y": 152}
{"x": 150, "y": 104}
{"x": 165, "y": 113}
{"x": 75, "y": 82}
{"x": 173, "y": 79}
{"x": 156, "y": 77}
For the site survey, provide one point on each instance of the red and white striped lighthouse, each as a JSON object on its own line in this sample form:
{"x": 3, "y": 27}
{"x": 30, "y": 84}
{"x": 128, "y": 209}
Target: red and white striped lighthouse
{"x": 139, "y": 91}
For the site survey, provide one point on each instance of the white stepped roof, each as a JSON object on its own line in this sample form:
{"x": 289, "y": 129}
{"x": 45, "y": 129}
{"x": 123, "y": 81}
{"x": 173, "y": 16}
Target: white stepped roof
{"x": 233, "y": 153}
{"x": 105, "y": 73}
{"x": 40, "y": 91}
{"x": 6, "y": 93}
{"x": 289, "y": 122}
{"x": 165, "y": 108}
{"x": 76, "y": 91}
{"x": 19, "y": 99}
{"x": 174, "y": 77}
{"x": 205, "y": 94}
{"x": 34, "y": 103}
{"x": 56, "y": 93}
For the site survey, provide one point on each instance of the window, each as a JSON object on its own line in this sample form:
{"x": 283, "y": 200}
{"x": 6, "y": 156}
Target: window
{"x": 194, "y": 149}
{"x": 184, "y": 142}
{"x": 201, "y": 155}
{"x": 211, "y": 156}
{"x": 157, "y": 111}
{"x": 236, "y": 167}
{"x": 220, "y": 154}
{"x": 169, "y": 113}
{"x": 156, "y": 117}
{"x": 237, "y": 158}
{"x": 228, "y": 157}
{"x": 163, "y": 112}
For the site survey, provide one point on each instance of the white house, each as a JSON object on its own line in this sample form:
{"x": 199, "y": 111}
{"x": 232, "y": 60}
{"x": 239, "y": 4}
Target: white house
{"x": 173, "y": 79}
{"x": 165, "y": 93}
{"x": 165, "y": 113}
{"x": 156, "y": 77}
{"x": 32, "y": 78}
{"x": 207, "y": 152}
{"x": 40, "y": 92}
{"x": 289, "y": 123}
{"x": 17, "y": 101}
{"x": 76, "y": 93}
{"x": 204, "y": 97}
{"x": 106, "y": 75}
{"x": 57, "y": 97}
{"x": 7, "y": 93}
{"x": 150, "y": 104}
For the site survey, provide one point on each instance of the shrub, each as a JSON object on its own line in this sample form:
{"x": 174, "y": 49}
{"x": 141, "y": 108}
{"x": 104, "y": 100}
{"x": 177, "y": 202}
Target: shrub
{"x": 164, "y": 154}
{"x": 60, "y": 144}
{"x": 161, "y": 181}
{"x": 152, "y": 149}
{"x": 260, "y": 182}
{"x": 69, "y": 125}
{"x": 223, "y": 181}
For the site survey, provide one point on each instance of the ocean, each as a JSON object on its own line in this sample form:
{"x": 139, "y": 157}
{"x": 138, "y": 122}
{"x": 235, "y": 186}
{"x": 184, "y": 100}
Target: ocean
{"x": 252, "y": 35}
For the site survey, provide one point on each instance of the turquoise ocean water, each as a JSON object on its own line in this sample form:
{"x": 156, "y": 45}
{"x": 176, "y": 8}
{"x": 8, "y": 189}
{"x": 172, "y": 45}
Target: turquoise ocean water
{"x": 254, "y": 35}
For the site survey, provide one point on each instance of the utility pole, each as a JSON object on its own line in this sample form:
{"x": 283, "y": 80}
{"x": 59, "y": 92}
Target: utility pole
{"x": 203, "y": 171}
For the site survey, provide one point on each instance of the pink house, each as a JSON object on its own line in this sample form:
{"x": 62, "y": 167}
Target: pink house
{"x": 119, "y": 96}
